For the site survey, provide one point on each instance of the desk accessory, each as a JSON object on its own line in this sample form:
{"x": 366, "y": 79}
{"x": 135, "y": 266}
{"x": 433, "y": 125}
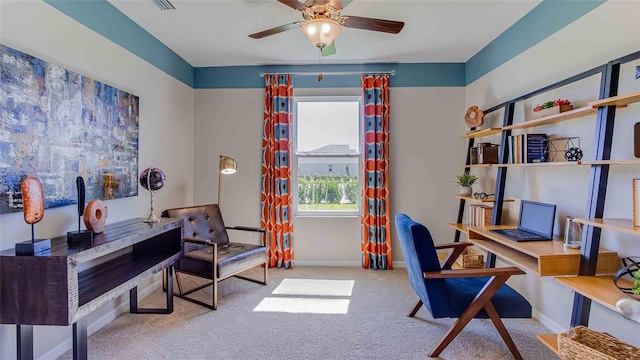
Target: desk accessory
{"x": 152, "y": 179}
{"x": 95, "y": 216}
{"x": 80, "y": 235}
{"x": 33, "y": 204}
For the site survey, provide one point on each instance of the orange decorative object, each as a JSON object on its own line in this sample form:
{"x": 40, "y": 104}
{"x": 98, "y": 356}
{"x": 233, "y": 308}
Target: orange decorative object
{"x": 474, "y": 117}
{"x": 32, "y": 200}
{"x": 95, "y": 216}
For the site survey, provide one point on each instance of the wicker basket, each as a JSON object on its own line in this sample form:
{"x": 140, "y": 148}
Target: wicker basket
{"x": 582, "y": 343}
{"x": 470, "y": 259}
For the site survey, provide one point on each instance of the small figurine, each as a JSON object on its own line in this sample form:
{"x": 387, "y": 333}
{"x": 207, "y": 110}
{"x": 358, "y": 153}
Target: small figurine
{"x": 33, "y": 205}
{"x": 80, "y": 235}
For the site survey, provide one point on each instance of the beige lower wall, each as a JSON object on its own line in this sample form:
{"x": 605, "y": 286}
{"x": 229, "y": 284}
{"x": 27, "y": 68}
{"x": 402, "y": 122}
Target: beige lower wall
{"x": 166, "y": 135}
{"x": 423, "y": 162}
{"x": 610, "y": 31}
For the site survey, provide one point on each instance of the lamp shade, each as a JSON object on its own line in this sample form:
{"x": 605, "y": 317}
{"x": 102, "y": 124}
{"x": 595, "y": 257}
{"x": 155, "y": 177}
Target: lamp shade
{"x": 321, "y": 32}
{"x": 227, "y": 165}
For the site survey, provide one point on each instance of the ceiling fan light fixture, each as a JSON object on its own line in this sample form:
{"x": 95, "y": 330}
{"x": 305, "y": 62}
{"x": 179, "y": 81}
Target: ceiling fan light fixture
{"x": 321, "y": 32}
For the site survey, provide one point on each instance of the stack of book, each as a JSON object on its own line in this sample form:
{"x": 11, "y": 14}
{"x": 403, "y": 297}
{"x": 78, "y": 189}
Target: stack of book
{"x": 526, "y": 148}
{"x": 479, "y": 215}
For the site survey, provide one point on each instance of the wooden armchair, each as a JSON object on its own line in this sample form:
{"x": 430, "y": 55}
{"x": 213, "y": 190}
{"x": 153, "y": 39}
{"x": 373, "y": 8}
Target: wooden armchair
{"x": 463, "y": 294}
{"x": 207, "y": 252}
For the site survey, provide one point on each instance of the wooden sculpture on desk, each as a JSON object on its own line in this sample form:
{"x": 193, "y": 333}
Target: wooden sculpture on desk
{"x": 95, "y": 216}
{"x": 33, "y": 204}
{"x": 80, "y": 235}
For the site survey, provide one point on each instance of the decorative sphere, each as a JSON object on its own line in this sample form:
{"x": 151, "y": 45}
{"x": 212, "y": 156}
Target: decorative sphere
{"x": 152, "y": 179}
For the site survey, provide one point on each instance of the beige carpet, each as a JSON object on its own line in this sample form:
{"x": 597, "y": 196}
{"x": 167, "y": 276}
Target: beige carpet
{"x": 362, "y": 316}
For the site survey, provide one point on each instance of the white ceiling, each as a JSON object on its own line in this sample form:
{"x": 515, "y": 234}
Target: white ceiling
{"x": 215, "y": 32}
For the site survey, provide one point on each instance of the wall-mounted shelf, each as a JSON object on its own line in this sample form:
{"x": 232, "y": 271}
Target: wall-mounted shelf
{"x": 561, "y": 163}
{"x": 611, "y": 162}
{"x": 464, "y": 228}
{"x": 565, "y": 116}
{"x": 481, "y": 133}
{"x": 471, "y": 198}
{"x": 600, "y": 289}
{"x": 545, "y": 258}
{"x": 549, "y": 163}
{"x": 550, "y": 341}
{"x": 622, "y": 225}
{"x": 619, "y": 101}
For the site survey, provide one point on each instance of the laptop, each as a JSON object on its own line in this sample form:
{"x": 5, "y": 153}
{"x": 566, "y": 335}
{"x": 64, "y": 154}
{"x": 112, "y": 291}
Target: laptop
{"x": 535, "y": 223}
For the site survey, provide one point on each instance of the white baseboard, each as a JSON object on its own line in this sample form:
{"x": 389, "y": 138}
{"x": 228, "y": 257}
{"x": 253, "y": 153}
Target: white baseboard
{"x": 340, "y": 263}
{"x": 546, "y": 321}
{"x": 101, "y": 322}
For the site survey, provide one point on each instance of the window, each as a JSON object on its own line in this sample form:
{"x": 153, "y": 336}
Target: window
{"x": 327, "y": 155}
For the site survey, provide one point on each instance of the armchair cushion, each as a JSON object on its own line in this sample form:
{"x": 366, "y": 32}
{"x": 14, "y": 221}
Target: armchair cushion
{"x": 200, "y": 222}
{"x": 232, "y": 257}
{"x": 203, "y": 233}
{"x": 507, "y": 301}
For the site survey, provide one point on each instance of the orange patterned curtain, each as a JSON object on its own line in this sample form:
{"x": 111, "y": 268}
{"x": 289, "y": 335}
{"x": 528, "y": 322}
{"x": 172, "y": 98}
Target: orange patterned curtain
{"x": 376, "y": 232}
{"x": 276, "y": 170}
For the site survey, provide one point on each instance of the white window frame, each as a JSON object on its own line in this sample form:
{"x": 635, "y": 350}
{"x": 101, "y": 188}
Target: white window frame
{"x": 295, "y": 155}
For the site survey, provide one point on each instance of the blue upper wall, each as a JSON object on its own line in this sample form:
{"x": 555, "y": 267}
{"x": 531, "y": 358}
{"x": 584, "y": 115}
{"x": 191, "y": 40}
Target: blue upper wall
{"x": 103, "y": 18}
{"x": 407, "y": 75}
{"x": 541, "y": 22}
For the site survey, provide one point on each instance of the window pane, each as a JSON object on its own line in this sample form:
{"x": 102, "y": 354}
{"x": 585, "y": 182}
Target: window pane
{"x": 328, "y": 183}
{"x": 330, "y": 126}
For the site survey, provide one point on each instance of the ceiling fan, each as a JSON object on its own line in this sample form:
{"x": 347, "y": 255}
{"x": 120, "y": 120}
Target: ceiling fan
{"x": 323, "y": 23}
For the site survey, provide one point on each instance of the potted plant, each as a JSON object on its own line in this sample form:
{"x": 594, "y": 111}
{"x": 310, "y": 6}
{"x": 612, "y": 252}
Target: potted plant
{"x": 466, "y": 180}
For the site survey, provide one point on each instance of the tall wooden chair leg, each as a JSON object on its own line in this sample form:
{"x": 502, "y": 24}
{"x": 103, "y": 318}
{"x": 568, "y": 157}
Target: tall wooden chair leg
{"x": 495, "y": 318}
{"x": 266, "y": 270}
{"x": 487, "y": 292}
{"x": 214, "y": 272}
{"x": 415, "y": 309}
{"x": 178, "y": 283}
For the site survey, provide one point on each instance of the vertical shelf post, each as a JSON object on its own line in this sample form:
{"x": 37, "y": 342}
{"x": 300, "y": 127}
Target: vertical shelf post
{"x": 597, "y": 189}
{"x": 463, "y": 201}
{"x": 501, "y": 177}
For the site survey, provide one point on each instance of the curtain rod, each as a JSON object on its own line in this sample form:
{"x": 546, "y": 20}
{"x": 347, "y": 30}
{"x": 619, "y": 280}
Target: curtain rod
{"x": 390, "y": 72}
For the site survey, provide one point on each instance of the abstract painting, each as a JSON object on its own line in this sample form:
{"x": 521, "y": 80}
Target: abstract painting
{"x": 56, "y": 125}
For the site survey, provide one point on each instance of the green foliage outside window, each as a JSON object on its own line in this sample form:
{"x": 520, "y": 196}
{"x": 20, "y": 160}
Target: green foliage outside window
{"x": 328, "y": 189}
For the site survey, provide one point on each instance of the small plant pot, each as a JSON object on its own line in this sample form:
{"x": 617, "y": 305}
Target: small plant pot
{"x": 466, "y": 190}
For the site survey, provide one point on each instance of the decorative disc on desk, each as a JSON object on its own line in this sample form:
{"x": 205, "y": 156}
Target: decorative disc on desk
{"x": 95, "y": 216}
{"x": 474, "y": 117}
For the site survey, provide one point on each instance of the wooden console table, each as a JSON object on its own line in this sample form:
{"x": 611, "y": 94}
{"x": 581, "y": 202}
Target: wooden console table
{"x": 60, "y": 287}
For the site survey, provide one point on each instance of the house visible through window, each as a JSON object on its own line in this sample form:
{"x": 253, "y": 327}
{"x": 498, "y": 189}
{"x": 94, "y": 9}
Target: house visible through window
{"x": 327, "y": 155}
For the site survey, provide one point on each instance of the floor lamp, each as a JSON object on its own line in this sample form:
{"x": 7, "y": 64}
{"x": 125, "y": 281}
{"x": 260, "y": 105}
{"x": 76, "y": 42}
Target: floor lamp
{"x": 227, "y": 166}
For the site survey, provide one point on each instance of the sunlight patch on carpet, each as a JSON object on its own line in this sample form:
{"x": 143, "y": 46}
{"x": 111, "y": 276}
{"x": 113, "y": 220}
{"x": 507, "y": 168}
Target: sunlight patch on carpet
{"x": 303, "y": 305}
{"x": 314, "y": 287}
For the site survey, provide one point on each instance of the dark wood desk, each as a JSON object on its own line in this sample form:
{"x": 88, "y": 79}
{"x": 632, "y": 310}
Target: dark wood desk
{"x": 58, "y": 287}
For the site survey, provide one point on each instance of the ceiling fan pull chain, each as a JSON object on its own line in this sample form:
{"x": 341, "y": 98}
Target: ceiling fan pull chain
{"x": 320, "y": 53}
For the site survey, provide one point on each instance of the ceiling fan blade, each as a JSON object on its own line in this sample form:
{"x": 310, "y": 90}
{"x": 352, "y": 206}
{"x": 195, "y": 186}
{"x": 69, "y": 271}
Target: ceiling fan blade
{"x": 338, "y": 4}
{"x": 275, "y": 30}
{"x": 388, "y": 26}
{"x": 329, "y": 50}
{"x": 294, "y": 4}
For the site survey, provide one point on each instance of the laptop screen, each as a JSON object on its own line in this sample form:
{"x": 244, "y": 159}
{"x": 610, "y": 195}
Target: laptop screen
{"x": 537, "y": 218}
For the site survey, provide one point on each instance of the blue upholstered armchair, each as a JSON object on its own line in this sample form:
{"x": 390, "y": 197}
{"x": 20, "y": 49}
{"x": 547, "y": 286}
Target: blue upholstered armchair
{"x": 463, "y": 294}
